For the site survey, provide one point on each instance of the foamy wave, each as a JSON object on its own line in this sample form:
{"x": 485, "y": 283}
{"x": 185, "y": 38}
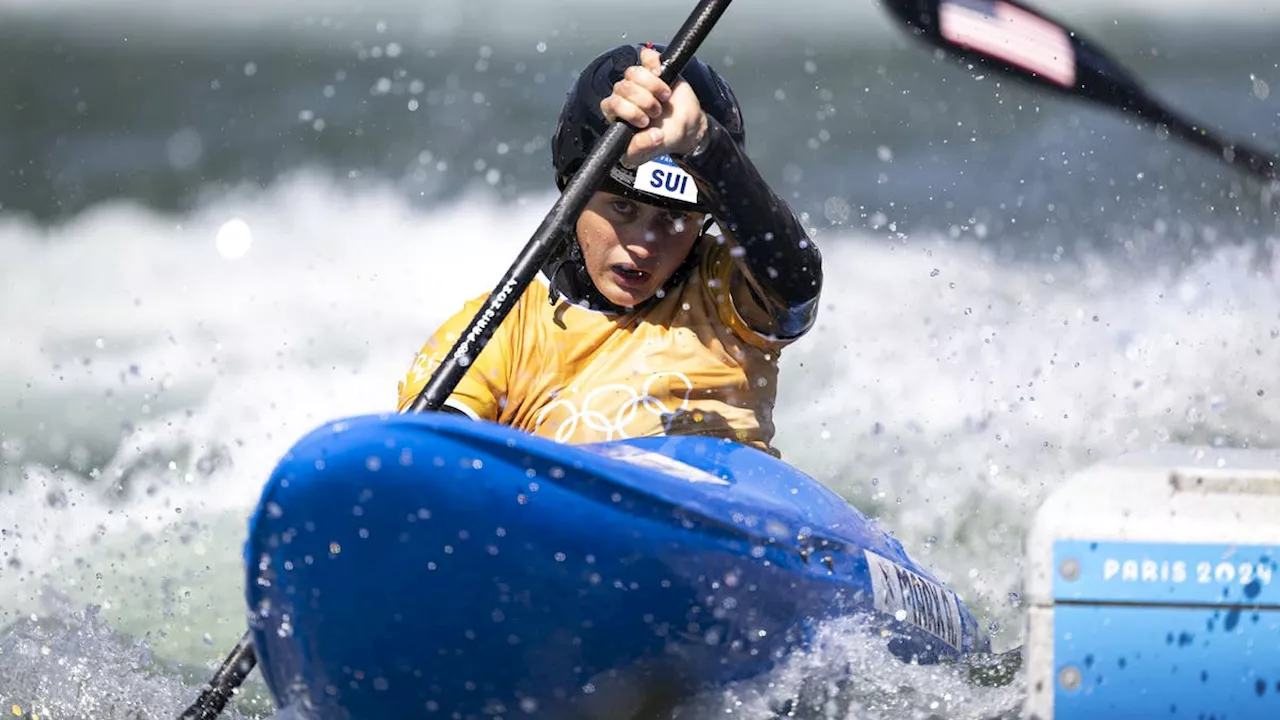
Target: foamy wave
{"x": 53, "y": 668}
{"x": 842, "y": 677}
{"x": 151, "y": 383}
{"x": 950, "y": 393}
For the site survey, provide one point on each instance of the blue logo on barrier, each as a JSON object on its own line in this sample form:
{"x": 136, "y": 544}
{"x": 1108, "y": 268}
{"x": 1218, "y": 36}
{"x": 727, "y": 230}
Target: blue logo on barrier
{"x": 1183, "y": 573}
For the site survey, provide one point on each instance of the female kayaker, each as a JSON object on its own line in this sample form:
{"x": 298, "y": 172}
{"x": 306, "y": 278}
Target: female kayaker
{"x": 646, "y": 322}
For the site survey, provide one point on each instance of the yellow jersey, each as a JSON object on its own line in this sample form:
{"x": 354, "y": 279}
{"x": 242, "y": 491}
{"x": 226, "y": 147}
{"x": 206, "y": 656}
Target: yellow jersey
{"x": 687, "y": 363}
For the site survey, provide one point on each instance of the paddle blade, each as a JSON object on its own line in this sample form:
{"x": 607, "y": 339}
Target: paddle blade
{"x": 1009, "y": 37}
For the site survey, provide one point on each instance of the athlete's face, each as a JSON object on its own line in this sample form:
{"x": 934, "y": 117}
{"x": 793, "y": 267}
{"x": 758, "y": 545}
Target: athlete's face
{"x": 631, "y": 248}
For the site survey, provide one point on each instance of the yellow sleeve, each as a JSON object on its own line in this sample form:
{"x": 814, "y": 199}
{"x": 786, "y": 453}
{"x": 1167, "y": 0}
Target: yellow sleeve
{"x": 719, "y": 270}
{"x": 483, "y": 389}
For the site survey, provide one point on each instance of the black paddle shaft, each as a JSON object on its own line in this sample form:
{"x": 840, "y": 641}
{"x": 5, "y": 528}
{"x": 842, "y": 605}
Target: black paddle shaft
{"x": 1002, "y": 35}
{"x": 217, "y": 693}
{"x": 554, "y": 229}
{"x": 559, "y": 223}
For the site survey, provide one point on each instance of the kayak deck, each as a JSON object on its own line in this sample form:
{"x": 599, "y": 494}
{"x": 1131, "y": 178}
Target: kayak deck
{"x": 432, "y": 564}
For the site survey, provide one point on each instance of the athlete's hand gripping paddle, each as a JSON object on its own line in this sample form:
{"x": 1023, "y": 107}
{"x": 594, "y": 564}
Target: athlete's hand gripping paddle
{"x": 554, "y": 229}
{"x": 1012, "y": 38}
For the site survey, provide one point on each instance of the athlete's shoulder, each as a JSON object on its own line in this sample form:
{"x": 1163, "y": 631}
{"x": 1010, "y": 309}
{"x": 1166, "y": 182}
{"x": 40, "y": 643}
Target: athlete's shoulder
{"x": 539, "y": 291}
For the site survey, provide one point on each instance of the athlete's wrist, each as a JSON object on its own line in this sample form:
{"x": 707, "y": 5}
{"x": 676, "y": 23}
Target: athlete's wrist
{"x": 704, "y": 137}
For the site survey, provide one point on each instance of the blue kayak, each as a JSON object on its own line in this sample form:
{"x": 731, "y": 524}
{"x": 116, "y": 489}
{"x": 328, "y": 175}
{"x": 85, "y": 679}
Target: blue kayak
{"x": 427, "y": 565}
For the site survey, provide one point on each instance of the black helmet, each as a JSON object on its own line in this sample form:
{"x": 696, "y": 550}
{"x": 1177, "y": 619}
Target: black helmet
{"x": 581, "y": 123}
{"x": 581, "y": 126}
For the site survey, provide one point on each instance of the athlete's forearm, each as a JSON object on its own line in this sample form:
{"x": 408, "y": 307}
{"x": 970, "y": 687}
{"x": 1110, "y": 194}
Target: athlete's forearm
{"x": 782, "y": 263}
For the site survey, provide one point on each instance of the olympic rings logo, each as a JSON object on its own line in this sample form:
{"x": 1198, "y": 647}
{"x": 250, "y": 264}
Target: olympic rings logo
{"x": 614, "y": 426}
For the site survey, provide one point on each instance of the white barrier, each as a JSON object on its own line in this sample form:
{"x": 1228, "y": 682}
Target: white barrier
{"x": 1154, "y": 589}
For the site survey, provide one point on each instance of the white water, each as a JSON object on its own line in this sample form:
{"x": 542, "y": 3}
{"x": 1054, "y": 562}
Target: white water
{"x": 946, "y": 402}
